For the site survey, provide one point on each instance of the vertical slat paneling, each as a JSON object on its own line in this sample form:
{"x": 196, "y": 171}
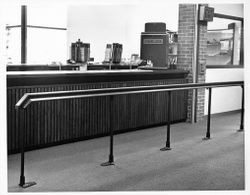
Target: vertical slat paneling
{"x": 55, "y": 121}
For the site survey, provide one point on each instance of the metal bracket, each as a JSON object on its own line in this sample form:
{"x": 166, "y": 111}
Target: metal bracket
{"x": 206, "y": 138}
{"x": 107, "y": 164}
{"x": 28, "y": 184}
{"x": 165, "y": 149}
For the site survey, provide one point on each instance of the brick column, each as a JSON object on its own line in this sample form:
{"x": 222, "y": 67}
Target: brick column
{"x": 201, "y": 70}
{"x": 187, "y": 36}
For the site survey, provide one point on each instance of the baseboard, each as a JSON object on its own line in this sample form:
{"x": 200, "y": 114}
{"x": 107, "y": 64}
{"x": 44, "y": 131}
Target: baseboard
{"x": 225, "y": 113}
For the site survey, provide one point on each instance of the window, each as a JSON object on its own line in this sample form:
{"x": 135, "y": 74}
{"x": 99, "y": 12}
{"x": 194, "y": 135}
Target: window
{"x": 46, "y": 35}
{"x": 225, "y": 41}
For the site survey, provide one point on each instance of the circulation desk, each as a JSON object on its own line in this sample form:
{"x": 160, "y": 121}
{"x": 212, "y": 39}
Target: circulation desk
{"x": 63, "y": 121}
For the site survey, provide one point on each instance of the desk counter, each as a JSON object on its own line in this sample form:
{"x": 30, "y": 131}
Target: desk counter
{"x": 58, "y": 122}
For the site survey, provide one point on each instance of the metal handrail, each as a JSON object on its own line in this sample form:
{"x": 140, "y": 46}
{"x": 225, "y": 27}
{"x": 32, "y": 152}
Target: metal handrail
{"x": 28, "y": 98}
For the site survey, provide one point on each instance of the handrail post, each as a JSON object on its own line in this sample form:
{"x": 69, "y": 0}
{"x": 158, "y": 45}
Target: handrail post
{"x": 167, "y": 147}
{"x": 208, "y": 114}
{"x": 242, "y": 111}
{"x": 111, "y": 128}
{"x": 21, "y": 113}
{"x": 22, "y": 177}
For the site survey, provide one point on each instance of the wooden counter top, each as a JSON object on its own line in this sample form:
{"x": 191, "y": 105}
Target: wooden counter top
{"x": 29, "y": 78}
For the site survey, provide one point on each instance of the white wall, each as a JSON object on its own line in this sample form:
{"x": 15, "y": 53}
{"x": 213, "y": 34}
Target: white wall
{"x": 102, "y": 24}
{"x": 224, "y": 99}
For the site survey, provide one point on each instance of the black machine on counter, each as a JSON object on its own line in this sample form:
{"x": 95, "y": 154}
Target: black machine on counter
{"x": 113, "y": 53}
{"x": 80, "y": 52}
{"x": 155, "y": 43}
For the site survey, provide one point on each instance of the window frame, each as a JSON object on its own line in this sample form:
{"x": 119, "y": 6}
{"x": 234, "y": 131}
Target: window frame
{"x": 241, "y": 64}
{"x": 24, "y": 27}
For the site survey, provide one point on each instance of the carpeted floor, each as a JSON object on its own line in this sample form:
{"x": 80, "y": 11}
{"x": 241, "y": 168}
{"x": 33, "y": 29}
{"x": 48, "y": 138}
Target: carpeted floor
{"x": 192, "y": 164}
